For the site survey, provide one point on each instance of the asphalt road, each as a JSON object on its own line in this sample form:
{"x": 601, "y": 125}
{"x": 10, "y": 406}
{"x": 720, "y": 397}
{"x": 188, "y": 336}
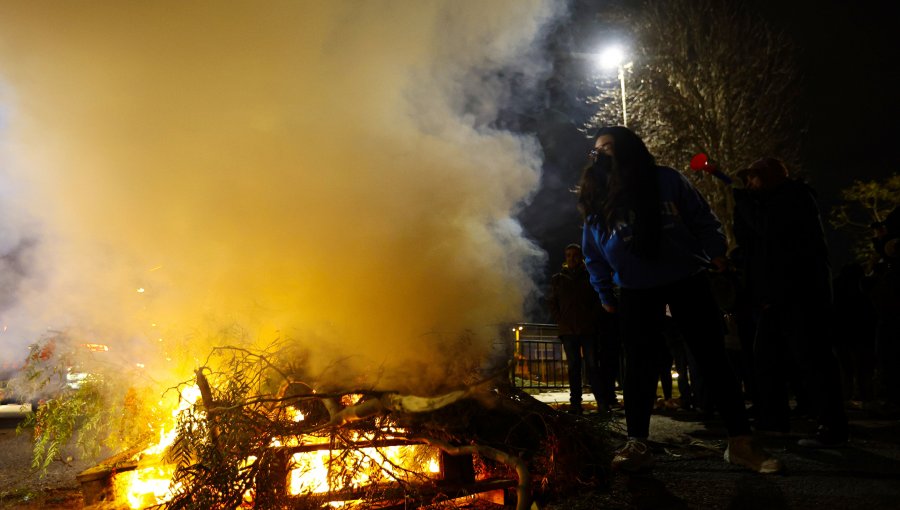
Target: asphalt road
{"x": 20, "y": 487}
{"x": 690, "y": 471}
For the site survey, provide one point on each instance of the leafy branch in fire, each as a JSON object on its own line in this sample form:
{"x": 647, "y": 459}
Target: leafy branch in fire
{"x": 262, "y": 434}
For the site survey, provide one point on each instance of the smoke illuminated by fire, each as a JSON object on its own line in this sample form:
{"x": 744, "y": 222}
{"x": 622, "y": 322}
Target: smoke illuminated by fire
{"x": 325, "y": 172}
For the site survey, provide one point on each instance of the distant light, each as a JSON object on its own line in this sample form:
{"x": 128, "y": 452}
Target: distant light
{"x": 140, "y": 290}
{"x": 140, "y": 365}
{"x": 611, "y": 58}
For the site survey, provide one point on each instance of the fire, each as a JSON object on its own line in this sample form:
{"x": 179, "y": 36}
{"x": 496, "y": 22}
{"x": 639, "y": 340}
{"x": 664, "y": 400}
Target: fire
{"x": 147, "y": 486}
{"x": 311, "y": 472}
{"x": 152, "y": 485}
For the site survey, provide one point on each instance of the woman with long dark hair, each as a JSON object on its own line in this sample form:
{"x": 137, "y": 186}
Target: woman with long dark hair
{"x": 649, "y": 233}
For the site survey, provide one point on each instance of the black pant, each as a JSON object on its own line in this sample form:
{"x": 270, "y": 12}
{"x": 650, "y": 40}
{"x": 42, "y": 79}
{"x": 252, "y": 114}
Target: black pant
{"x": 577, "y": 346}
{"x": 795, "y": 340}
{"x": 642, "y": 313}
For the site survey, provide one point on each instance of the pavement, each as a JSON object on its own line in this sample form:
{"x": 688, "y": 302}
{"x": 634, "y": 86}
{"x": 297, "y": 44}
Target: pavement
{"x": 690, "y": 471}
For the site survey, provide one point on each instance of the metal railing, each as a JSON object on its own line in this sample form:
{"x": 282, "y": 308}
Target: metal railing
{"x": 539, "y": 358}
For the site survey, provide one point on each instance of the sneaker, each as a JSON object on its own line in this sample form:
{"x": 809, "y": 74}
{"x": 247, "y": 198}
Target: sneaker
{"x": 743, "y": 451}
{"x": 634, "y": 456}
{"x": 825, "y": 438}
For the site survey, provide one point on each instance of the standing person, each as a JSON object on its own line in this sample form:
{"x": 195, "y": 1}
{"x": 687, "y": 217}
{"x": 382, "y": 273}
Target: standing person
{"x": 779, "y": 229}
{"x": 884, "y": 289}
{"x": 650, "y": 232}
{"x": 576, "y": 309}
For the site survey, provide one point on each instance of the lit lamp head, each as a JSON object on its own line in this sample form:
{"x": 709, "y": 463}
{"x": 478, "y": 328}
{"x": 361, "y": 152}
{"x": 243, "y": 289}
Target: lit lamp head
{"x": 610, "y": 58}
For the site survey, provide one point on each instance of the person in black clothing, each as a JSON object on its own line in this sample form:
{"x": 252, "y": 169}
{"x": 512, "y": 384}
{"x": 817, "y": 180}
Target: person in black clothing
{"x": 855, "y": 328}
{"x": 779, "y": 229}
{"x": 575, "y": 306}
{"x": 883, "y": 287}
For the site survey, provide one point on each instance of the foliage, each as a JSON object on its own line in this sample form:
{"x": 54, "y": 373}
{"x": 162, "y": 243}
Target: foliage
{"x": 98, "y": 411}
{"x": 710, "y": 77}
{"x": 865, "y": 203}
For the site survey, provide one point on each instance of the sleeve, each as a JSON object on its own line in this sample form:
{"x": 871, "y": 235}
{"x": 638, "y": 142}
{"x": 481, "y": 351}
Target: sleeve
{"x": 597, "y": 265}
{"x": 699, "y": 219}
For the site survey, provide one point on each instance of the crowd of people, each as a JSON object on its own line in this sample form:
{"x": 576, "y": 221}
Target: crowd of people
{"x": 751, "y": 330}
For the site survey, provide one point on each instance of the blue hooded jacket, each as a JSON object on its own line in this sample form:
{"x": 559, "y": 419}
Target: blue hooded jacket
{"x": 691, "y": 236}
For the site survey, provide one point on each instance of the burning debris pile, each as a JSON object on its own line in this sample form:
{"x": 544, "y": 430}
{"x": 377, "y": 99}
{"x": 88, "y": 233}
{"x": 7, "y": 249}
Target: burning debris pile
{"x": 259, "y": 433}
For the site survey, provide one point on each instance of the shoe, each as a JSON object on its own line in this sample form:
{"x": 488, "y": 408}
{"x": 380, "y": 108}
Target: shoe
{"x": 576, "y": 409}
{"x": 825, "y": 437}
{"x": 743, "y": 451}
{"x": 634, "y": 456}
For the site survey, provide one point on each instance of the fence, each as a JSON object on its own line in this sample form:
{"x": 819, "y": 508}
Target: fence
{"x": 540, "y": 360}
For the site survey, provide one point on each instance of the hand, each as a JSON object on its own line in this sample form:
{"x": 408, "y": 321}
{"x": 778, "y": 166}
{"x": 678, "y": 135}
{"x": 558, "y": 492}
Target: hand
{"x": 609, "y": 308}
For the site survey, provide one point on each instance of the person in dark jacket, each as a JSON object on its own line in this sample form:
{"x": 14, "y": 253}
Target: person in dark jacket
{"x": 779, "y": 229}
{"x": 576, "y": 309}
{"x": 648, "y": 231}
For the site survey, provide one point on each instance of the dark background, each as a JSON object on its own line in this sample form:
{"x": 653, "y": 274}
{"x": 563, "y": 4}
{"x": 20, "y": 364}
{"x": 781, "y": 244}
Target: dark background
{"x": 849, "y": 53}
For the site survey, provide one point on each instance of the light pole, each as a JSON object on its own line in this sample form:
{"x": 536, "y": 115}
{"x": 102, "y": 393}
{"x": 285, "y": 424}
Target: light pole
{"x": 614, "y": 57}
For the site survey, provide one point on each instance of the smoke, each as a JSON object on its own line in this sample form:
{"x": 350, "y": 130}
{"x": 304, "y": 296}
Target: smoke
{"x": 325, "y": 174}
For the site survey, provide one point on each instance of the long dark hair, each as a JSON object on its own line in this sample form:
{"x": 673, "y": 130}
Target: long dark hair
{"x": 624, "y": 187}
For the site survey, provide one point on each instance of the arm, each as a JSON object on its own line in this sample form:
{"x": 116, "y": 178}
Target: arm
{"x": 598, "y": 267}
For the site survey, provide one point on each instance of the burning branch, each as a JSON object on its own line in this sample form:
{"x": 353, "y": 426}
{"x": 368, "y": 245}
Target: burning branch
{"x": 259, "y": 436}
{"x": 208, "y": 403}
{"x": 523, "y": 489}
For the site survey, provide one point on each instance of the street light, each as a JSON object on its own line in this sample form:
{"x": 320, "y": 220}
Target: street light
{"x": 614, "y": 57}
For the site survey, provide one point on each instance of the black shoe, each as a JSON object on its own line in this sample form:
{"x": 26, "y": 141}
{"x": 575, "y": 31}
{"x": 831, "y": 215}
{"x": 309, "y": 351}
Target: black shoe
{"x": 576, "y": 409}
{"x": 825, "y": 437}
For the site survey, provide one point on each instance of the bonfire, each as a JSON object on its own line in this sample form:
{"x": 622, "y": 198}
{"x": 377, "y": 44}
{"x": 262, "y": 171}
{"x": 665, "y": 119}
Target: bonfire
{"x": 254, "y": 430}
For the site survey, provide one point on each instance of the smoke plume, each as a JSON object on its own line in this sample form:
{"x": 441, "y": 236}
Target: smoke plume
{"x": 179, "y": 175}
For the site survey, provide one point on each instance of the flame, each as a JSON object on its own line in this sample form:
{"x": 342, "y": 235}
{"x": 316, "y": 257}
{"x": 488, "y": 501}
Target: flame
{"x": 152, "y": 484}
{"x": 147, "y": 486}
{"x": 309, "y": 472}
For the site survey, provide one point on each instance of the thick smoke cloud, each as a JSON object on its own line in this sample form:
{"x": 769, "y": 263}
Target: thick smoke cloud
{"x": 323, "y": 173}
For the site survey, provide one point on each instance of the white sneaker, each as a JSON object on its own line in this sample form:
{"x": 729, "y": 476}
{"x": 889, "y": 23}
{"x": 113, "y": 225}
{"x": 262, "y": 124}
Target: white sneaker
{"x": 634, "y": 456}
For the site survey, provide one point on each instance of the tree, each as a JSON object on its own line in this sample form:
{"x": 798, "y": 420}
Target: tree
{"x": 865, "y": 203}
{"x": 710, "y": 77}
